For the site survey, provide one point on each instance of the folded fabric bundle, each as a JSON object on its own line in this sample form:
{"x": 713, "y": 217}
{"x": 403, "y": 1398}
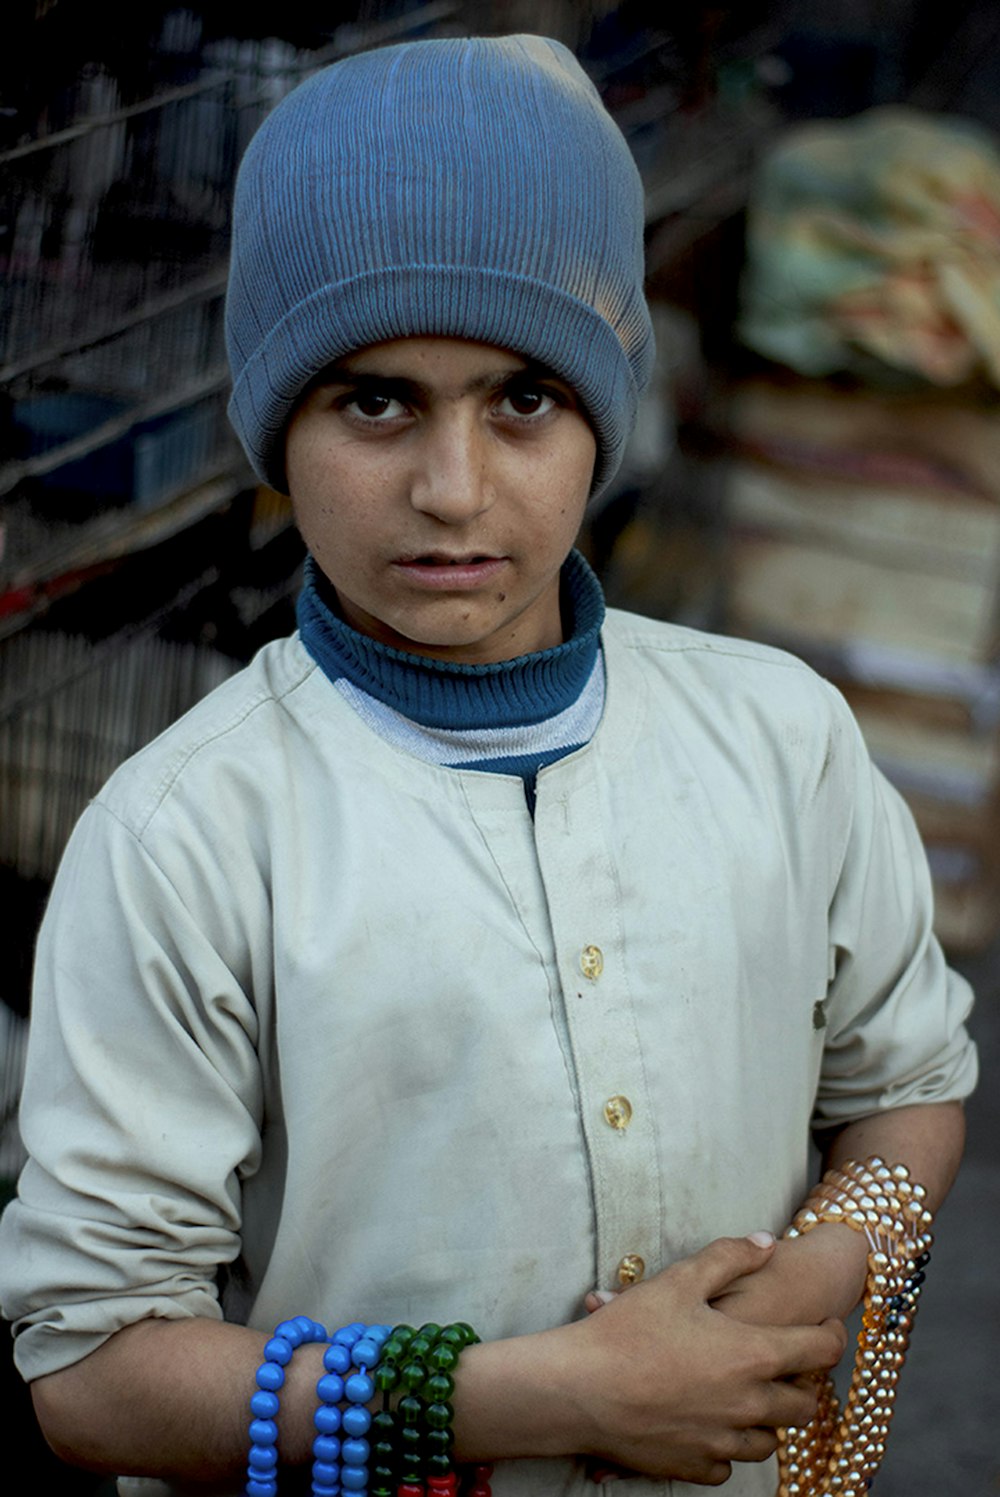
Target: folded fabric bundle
{"x": 876, "y": 241}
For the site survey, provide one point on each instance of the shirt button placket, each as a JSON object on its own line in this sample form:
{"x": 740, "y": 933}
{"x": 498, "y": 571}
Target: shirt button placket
{"x": 577, "y": 856}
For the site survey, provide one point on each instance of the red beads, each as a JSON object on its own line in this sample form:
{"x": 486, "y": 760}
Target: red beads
{"x": 480, "y": 1482}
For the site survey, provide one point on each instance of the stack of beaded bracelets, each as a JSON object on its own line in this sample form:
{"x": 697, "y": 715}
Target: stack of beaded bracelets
{"x": 401, "y": 1451}
{"x": 840, "y": 1450}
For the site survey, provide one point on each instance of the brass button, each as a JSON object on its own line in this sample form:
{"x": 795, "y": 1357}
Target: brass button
{"x": 592, "y": 962}
{"x": 631, "y": 1269}
{"x": 618, "y": 1112}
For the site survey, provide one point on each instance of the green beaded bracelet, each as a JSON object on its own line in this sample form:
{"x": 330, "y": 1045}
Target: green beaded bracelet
{"x": 413, "y": 1442}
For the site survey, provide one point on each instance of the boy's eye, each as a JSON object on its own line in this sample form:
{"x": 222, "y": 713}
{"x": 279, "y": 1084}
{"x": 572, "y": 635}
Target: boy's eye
{"x": 374, "y": 406}
{"x": 528, "y": 400}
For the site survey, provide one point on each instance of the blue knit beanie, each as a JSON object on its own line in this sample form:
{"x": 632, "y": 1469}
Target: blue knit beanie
{"x": 467, "y": 188}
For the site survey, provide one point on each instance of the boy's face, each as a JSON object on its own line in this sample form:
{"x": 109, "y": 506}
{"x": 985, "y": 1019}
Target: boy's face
{"x": 440, "y": 485}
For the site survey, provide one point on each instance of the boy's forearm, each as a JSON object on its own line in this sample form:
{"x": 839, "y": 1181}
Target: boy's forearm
{"x": 928, "y": 1139}
{"x": 171, "y": 1398}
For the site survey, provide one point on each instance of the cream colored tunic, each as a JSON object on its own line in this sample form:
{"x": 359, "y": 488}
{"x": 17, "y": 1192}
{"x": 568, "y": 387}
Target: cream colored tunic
{"x": 359, "y": 1027}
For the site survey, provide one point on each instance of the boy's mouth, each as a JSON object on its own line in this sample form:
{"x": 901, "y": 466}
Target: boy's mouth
{"x": 438, "y": 568}
{"x": 446, "y": 558}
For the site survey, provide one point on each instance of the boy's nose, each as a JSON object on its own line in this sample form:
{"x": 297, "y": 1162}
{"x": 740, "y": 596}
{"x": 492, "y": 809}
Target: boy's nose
{"x": 452, "y": 479}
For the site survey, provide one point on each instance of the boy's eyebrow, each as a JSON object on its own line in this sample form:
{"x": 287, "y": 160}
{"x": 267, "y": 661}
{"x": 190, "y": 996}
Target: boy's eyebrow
{"x": 341, "y": 374}
{"x": 344, "y": 374}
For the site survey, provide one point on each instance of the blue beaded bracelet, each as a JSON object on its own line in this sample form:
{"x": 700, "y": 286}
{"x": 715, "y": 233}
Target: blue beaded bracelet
{"x": 262, "y": 1462}
{"x": 341, "y": 1446}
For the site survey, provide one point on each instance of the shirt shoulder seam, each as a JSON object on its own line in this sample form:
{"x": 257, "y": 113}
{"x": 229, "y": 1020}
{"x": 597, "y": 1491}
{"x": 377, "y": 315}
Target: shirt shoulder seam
{"x": 634, "y": 632}
{"x": 176, "y": 767}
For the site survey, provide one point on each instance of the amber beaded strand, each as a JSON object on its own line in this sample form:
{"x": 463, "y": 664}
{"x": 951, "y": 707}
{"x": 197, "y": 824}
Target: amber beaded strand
{"x": 839, "y": 1452}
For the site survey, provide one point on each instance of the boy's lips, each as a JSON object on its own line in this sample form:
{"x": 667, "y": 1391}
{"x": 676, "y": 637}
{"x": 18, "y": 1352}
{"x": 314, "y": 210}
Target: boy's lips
{"x": 438, "y": 569}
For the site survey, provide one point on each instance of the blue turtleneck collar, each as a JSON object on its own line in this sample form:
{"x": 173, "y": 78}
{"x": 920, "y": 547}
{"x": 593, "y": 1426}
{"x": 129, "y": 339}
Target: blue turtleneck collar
{"x": 441, "y": 694}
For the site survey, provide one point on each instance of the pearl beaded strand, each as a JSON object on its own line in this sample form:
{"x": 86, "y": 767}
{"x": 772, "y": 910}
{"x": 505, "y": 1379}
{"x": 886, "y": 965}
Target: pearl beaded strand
{"x": 838, "y": 1453}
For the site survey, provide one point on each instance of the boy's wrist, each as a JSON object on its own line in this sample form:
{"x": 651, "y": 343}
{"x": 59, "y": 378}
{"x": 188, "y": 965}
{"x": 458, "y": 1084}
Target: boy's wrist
{"x": 838, "y": 1257}
{"x": 520, "y": 1398}
{"x": 809, "y": 1279}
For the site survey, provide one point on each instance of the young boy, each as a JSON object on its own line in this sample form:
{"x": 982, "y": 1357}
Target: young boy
{"x": 471, "y": 951}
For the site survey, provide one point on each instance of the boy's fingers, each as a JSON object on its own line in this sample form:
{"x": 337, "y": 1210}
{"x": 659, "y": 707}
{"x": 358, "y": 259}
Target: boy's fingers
{"x": 810, "y": 1348}
{"x": 724, "y": 1260}
{"x": 729, "y": 1258}
{"x": 839, "y": 1337}
{"x": 755, "y": 1444}
{"x": 794, "y": 1404}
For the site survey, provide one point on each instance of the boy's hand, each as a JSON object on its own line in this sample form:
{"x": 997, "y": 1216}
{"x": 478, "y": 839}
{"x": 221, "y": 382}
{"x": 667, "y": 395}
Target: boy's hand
{"x": 670, "y": 1386}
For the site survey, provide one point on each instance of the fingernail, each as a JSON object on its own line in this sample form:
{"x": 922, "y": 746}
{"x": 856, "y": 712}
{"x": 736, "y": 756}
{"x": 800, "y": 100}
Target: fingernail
{"x": 761, "y": 1239}
{"x": 604, "y": 1295}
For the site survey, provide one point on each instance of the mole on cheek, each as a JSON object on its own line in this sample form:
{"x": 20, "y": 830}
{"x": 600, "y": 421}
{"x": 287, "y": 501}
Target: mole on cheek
{"x": 501, "y": 597}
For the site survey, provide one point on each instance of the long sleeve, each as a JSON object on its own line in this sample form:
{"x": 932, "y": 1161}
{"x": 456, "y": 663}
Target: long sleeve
{"x": 141, "y": 1110}
{"x": 895, "y": 1011}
